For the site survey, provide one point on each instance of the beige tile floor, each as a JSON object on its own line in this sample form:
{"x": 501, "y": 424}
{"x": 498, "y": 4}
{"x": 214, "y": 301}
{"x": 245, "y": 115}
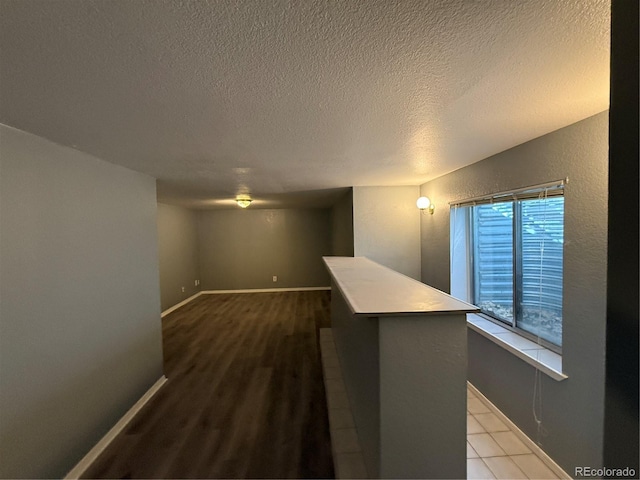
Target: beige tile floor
{"x": 493, "y": 450}
{"x": 345, "y": 445}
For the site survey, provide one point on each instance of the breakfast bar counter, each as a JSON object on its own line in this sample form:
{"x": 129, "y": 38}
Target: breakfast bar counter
{"x": 402, "y": 347}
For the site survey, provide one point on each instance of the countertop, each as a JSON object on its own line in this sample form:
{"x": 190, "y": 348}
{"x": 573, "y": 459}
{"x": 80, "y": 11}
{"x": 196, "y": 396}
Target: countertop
{"x": 373, "y": 290}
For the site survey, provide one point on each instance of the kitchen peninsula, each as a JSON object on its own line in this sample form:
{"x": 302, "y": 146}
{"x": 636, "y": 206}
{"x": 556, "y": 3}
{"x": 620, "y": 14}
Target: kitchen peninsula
{"x": 402, "y": 347}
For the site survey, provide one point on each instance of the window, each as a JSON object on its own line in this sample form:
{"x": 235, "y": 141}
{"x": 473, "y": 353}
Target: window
{"x": 507, "y": 254}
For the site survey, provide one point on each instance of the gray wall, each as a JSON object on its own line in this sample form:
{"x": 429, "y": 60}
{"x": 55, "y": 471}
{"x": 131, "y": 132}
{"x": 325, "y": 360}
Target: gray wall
{"x": 573, "y": 409}
{"x": 386, "y": 227}
{"x": 80, "y": 306}
{"x": 178, "y": 254}
{"x": 356, "y": 340}
{"x": 244, "y": 248}
{"x": 342, "y": 226}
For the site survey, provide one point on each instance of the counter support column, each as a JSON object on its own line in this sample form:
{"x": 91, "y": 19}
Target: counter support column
{"x": 423, "y": 374}
{"x": 402, "y": 347}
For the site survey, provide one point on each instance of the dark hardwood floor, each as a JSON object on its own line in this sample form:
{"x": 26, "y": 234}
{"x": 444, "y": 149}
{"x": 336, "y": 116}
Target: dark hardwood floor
{"x": 244, "y": 396}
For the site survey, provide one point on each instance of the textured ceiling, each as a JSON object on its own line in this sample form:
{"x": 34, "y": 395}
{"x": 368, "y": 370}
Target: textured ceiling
{"x": 270, "y": 97}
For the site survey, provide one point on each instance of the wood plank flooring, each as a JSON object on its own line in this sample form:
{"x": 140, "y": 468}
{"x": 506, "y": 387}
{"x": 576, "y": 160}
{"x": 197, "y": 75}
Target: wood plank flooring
{"x": 244, "y": 396}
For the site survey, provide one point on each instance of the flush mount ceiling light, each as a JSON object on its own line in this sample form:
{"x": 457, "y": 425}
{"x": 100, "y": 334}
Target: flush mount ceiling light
{"x": 424, "y": 203}
{"x": 243, "y": 201}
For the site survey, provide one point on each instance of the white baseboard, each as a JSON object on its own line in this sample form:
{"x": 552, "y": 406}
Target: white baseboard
{"x": 245, "y": 290}
{"x": 266, "y": 290}
{"x": 178, "y": 305}
{"x": 548, "y": 461}
{"x": 104, "y": 442}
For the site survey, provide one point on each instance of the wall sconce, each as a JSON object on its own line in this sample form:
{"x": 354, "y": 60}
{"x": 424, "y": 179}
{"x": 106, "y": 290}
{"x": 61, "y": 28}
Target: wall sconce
{"x": 243, "y": 201}
{"x": 424, "y": 203}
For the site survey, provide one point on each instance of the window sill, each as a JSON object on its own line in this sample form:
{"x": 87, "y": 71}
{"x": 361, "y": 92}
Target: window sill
{"x": 539, "y": 357}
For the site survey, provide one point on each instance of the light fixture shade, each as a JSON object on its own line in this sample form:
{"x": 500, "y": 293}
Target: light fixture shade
{"x": 423, "y": 203}
{"x": 243, "y": 201}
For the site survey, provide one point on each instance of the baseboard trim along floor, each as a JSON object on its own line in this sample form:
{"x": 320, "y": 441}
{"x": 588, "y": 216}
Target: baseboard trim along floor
{"x": 546, "y": 459}
{"x": 77, "y": 471}
{"x": 178, "y": 305}
{"x": 266, "y": 290}
{"x": 244, "y": 290}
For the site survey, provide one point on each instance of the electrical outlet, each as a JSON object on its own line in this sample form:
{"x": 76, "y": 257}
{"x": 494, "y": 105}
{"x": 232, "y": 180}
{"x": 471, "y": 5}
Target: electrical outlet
{"x": 275, "y": 278}
{"x": 182, "y": 289}
{"x": 195, "y": 283}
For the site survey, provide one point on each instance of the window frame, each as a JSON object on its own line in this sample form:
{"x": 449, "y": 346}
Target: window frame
{"x": 553, "y": 189}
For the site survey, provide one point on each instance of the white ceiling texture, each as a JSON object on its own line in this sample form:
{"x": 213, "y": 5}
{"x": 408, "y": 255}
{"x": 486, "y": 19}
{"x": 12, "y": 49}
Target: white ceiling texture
{"x": 289, "y": 100}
